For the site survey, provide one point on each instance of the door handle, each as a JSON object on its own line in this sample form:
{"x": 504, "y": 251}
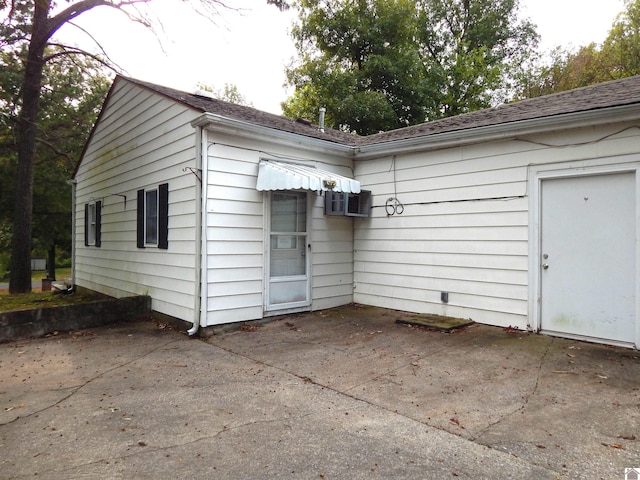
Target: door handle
{"x": 545, "y": 266}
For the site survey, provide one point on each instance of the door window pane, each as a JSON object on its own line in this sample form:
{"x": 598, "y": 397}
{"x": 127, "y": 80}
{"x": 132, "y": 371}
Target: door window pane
{"x": 288, "y": 237}
{"x": 288, "y": 212}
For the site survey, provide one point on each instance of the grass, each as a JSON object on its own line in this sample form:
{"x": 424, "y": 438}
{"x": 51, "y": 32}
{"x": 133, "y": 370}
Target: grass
{"x": 38, "y": 299}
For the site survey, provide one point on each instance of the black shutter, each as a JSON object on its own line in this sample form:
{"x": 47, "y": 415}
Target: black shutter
{"x": 98, "y": 223}
{"x": 140, "y": 219}
{"x": 163, "y": 216}
{"x": 86, "y": 225}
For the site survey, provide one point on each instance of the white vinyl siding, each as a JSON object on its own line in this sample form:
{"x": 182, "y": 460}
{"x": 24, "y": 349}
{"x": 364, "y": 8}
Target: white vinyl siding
{"x": 141, "y": 141}
{"x": 235, "y": 235}
{"x": 465, "y": 225}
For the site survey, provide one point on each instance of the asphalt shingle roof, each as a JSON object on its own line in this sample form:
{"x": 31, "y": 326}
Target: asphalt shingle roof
{"x": 605, "y": 95}
{"x": 207, "y": 104}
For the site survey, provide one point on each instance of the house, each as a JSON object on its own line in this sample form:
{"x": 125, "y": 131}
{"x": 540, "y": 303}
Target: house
{"x": 524, "y": 215}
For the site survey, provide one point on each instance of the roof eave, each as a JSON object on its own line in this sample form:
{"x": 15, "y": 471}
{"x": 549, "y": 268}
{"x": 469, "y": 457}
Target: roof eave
{"x": 222, "y": 124}
{"x": 501, "y": 131}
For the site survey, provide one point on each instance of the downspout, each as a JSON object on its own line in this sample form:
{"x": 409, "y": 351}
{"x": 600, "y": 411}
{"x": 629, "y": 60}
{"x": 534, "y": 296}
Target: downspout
{"x": 200, "y": 228}
{"x": 74, "y": 185}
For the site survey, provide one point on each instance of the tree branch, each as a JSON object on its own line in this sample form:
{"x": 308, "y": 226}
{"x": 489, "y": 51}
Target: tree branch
{"x": 68, "y": 51}
{"x": 58, "y": 152}
{"x": 78, "y": 8}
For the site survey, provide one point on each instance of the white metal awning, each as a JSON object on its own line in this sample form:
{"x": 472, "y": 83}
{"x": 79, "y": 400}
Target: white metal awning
{"x": 288, "y": 176}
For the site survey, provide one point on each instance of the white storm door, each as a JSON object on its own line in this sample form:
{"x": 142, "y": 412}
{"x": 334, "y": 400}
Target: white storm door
{"x": 588, "y": 257}
{"x": 288, "y": 284}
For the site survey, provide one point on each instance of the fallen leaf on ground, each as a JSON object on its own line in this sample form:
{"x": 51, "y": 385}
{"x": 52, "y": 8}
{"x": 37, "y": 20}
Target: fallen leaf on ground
{"x": 455, "y": 421}
{"x": 619, "y": 446}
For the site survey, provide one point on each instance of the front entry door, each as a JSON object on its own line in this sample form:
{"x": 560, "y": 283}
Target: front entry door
{"x": 288, "y": 283}
{"x": 588, "y": 257}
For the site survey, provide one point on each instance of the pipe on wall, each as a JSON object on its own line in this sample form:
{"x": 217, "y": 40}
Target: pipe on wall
{"x": 200, "y": 244}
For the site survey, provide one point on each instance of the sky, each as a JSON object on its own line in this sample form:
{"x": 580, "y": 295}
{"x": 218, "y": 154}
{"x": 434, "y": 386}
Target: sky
{"x": 251, "y": 48}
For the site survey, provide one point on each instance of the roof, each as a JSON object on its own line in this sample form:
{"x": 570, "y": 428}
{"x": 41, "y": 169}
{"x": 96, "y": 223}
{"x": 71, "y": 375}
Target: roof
{"x": 604, "y": 95}
{"x": 596, "y": 97}
{"x": 206, "y": 104}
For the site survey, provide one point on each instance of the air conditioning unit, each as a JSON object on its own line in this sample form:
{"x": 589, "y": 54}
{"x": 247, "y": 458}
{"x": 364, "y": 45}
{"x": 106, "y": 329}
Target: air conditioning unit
{"x": 348, "y": 204}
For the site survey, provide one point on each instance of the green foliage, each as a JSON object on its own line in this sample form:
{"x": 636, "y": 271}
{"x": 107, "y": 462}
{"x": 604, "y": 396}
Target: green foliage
{"x": 27, "y": 26}
{"x": 281, "y": 4}
{"x": 5, "y": 242}
{"x": 383, "y": 64}
{"x": 620, "y": 51}
{"x": 73, "y": 91}
{"x": 617, "y": 57}
{"x": 472, "y": 50}
{"x": 229, "y": 93}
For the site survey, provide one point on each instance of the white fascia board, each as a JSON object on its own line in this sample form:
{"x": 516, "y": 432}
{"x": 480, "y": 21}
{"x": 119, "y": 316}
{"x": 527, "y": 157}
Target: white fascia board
{"x": 501, "y": 131}
{"x": 222, "y": 124}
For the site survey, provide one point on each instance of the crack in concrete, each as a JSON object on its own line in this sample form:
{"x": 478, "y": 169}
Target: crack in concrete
{"x": 411, "y": 364}
{"x": 526, "y": 399}
{"x": 74, "y": 389}
{"x": 345, "y": 393}
{"x": 147, "y": 449}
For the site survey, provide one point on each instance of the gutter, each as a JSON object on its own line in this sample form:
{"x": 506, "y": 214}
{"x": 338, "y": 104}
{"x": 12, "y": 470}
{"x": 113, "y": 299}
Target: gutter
{"x": 240, "y": 127}
{"x": 199, "y": 307}
{"x": 500, "y": 131}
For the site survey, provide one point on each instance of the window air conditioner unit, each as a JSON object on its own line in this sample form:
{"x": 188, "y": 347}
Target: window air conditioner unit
{"x": 348, "y": 204}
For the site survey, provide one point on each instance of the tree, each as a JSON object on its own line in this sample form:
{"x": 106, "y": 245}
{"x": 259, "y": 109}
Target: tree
{"x": 382, "y": 64}
{"x": 472, "y": 49}
{"x": 617, "y": 57}
{"x": 32, "y": 24}
{"x": 229, "y": 93}
{"x": 560, "y": 70}
{"x": 360, "y": 61}
{"x": 72, "y": 93}
{"x": 620, "y": 51}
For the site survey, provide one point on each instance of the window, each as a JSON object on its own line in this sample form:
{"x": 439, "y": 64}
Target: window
{"x": 153, "y": 217}
{"x": 288, "y": 216}
{"x": 92, "y": 223}
{"x": 348, "y": 204}
{"x": 334, "y": 203}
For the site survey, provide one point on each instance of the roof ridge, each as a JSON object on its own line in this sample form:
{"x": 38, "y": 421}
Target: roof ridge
{"x": 609, "y": 94}
{"x": 247, "y": 113}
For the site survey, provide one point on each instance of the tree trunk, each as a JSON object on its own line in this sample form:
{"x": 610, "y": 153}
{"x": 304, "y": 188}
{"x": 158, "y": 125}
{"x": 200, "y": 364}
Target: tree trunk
{"x": 20, "y": 275}
{"x": 51, "y": 261}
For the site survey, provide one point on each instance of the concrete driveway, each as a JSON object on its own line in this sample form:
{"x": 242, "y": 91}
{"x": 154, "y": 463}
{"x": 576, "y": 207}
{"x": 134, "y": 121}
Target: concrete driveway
{"x": 344, "y": 393}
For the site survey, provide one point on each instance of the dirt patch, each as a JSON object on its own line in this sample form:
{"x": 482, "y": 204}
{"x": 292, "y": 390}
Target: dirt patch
{"x": 38, "y": 299}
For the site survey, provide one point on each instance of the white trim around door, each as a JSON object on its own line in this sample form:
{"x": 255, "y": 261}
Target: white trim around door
{"x": 596, "y": 316}
{"x": 287, "y": 251}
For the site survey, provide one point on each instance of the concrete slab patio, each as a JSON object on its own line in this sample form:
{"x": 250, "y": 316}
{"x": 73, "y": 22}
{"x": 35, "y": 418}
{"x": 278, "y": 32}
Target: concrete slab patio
{"x": 345, "y": 393}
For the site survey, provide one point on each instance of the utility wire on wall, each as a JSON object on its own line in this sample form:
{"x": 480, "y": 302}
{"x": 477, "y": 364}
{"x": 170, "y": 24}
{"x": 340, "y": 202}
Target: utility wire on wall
{"x": 393, "y": 206}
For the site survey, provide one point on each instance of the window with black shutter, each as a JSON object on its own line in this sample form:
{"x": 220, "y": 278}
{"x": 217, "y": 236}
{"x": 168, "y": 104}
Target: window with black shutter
{"x": 153, "y": 217}
{"x": 92, "y": 224}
